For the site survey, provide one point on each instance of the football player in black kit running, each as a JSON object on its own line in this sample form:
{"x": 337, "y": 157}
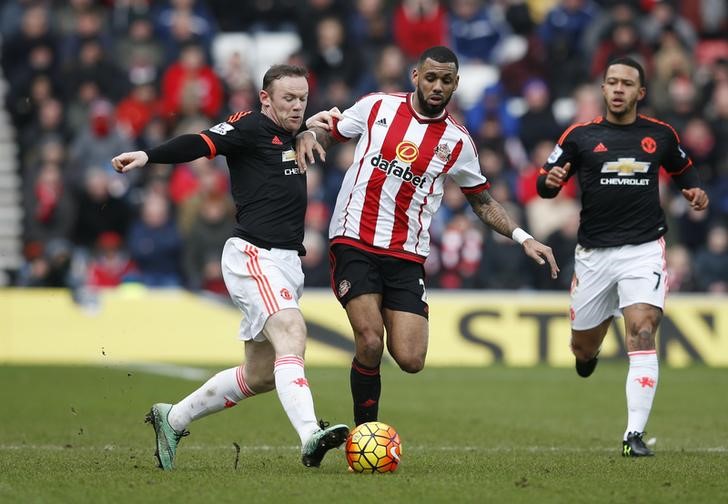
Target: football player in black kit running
{"x": 260, "y": 263}
{"x": 620, "y": 256}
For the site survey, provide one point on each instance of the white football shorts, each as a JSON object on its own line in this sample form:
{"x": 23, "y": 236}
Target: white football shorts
{"x": 606, "y": 280}
{"x": 261, "y": 282}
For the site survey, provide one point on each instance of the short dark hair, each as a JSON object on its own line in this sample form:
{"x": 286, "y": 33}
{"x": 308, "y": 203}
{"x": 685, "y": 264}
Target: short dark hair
{"x": 441, "y": 54}
{"x": 278, "y": 71}
{"x": 630, "y": 62}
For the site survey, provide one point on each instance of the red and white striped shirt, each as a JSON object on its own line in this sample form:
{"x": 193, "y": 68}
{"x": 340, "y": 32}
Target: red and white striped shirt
{"x": 395, "y": 184}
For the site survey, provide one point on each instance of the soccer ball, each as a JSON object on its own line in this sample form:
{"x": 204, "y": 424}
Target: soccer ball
{"x": 373, "y": 447}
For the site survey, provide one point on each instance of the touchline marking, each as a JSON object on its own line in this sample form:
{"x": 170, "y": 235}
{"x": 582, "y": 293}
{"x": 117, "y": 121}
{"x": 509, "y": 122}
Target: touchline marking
{"x": 171, "y": 370}
{"x": 264, "y": 448}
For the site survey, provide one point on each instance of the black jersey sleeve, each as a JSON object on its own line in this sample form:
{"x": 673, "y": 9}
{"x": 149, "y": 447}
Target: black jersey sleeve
{"x": 679, "y": 165}
{"x": 236, "y": 134}
{"x": 564, "y": 152}
{"x": 179, "y": 149}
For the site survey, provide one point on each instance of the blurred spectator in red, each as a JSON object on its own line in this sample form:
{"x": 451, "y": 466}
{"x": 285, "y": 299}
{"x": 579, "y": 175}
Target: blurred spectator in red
{"x": 110, "y": 264}
{"x": 50, "y": 213}
{"x": 419, "y": 24}
{"x": 460, "y": 253}
{"x": 190, "y": 86}
{"x": 138, "y": 108}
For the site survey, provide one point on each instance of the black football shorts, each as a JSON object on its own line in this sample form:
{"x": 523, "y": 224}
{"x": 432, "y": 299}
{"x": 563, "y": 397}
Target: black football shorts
{"x": 400, "y": 282}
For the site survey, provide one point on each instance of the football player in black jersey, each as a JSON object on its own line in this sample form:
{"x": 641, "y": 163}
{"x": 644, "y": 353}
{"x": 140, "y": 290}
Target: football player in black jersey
{"x": 620, "y": 257}
{"x": 261, "y": 264}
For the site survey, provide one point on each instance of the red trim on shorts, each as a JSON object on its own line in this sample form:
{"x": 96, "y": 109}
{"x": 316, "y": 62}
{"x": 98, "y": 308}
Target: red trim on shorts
{"x": 407, "y": 256}
{"x": 210, "y": 144}
{"x": 332, "y": 268}
{"x": 266, "y": 292}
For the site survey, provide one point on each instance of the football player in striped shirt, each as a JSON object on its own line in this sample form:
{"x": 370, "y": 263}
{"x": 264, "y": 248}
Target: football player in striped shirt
{"x": 379, "y": 233}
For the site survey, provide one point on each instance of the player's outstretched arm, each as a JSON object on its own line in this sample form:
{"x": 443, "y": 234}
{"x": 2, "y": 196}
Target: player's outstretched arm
{"x": 495, "y": 216}
{"x": 127, "y": 161}
{"x": 180, "y": 149}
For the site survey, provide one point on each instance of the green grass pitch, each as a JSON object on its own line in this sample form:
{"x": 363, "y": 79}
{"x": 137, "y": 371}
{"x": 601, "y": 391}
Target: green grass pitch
{"x": 76, "y": 434}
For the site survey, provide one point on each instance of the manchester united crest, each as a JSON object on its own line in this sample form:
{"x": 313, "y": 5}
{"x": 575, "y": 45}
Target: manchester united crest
{"x": 649, "y": 145}
{"x": 442, "y": 151}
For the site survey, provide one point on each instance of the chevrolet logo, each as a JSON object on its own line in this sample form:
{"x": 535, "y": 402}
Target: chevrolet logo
{"x": 625, "y": 167}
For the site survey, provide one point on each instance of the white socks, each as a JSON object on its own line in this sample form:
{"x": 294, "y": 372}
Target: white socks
{"x": 295, "y": 396}
{"x": 224, "y": 390}
{"x": 641, "y": 387}
{"x": 228, "y": 387}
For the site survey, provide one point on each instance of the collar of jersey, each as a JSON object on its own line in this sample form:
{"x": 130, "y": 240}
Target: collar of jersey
{"x": 424, "y": 119}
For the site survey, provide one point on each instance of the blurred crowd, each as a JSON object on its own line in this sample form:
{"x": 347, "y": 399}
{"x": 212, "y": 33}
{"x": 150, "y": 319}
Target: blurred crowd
{"x": 90, "y": 79}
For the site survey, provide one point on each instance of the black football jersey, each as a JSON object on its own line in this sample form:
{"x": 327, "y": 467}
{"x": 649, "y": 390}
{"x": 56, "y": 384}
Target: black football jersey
{"x": 268, "y": 188}
{"x": 618, "y": 168}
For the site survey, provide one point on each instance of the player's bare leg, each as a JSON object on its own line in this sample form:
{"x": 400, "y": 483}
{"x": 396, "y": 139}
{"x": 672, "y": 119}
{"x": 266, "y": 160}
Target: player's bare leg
{"x": 407, "y": 338}
{"x": 286, "y": 330}
{"x": 585, "y": 346}
{"x": 641, "y": 321}
{"x": 365, "y": 317}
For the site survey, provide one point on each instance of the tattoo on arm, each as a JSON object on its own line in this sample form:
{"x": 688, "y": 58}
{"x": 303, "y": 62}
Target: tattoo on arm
{"x": 325, "y": 138}
{"x": 491, "y": 213}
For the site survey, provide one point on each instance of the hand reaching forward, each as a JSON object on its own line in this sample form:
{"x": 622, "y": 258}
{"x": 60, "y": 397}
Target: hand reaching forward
{"x": 324, "y": 119}
{"x": 697, "y": 198}
{"x": 127, "y": 161}
{"x": 541, "y": 254}
{"x": 557, "y": 176}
